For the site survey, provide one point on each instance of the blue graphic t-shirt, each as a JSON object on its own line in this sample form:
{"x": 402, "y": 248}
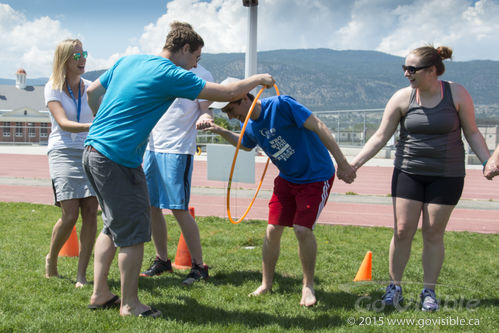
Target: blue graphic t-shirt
{"x": 139, "y": 90}
{"x": 298, "y": 153}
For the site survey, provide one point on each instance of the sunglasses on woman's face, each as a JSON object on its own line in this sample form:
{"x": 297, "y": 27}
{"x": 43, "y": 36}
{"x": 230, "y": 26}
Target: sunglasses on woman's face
{"x": 78, "y": 55}
{"x": 412, "y": 70}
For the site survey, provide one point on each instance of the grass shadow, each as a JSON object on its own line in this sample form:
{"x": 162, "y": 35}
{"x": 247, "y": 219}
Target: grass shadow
{"x": 250, "y": 319}
{"x": 238, "y": 278}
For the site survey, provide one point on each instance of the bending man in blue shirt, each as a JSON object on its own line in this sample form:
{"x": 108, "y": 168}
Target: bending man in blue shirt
{"x": 298, "y": 143}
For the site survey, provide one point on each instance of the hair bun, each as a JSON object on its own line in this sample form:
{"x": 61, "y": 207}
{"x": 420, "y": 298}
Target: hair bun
{"x": 444, "y": 52}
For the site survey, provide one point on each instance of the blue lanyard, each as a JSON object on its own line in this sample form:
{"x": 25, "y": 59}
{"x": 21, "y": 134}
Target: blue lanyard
{"x": 78, "y": 106}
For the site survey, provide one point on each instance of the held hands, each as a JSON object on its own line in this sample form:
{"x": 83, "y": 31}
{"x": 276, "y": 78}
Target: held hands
{"x": 204, "y": 122}
{"x": 210, "y": 126}
{"x": 491, "y": 169}
{"x": 346, "y": 172}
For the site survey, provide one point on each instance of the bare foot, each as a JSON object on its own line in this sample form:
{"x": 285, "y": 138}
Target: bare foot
{"x": 103, "y": 299}
{"x": 80, "y": 282}
{"x": 308, "y": 296}
{"x": 50, "y": 268}
{"x": 260, "y": 291}
{"x": 113, "y": 302}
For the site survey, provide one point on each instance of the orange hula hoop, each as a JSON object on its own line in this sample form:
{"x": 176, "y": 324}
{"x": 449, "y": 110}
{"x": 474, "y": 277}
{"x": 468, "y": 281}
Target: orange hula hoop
{"x": 235, "y": 158}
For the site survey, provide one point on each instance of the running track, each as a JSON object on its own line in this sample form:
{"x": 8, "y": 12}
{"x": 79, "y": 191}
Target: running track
{"x": 25, "y": 178}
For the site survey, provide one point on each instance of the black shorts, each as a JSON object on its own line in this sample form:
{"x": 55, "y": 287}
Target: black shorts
{"x": 427, "y": 189}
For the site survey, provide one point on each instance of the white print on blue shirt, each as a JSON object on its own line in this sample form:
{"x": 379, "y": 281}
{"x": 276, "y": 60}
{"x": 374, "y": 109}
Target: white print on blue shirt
{"x": 284, "y": 150}
{"x": 268, "y": 133}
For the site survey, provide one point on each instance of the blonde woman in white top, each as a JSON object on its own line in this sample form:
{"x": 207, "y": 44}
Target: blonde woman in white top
{"x": 71, "y": 117}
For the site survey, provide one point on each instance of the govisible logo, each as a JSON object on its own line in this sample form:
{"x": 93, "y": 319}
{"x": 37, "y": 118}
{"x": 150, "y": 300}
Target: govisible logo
{"x": 268, "y": 133}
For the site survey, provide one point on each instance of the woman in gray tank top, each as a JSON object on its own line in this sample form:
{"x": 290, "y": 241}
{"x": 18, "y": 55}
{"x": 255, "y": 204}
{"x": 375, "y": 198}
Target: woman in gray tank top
{"x": 429, "y": 168}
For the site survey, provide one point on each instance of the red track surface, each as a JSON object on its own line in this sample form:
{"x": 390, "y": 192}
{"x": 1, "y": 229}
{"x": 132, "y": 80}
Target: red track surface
{"x": 371, "y": 181}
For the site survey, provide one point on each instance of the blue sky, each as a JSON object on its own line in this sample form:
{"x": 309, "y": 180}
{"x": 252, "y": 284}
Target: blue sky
{"x": 109, "y": 29}
{"x": 121, "y": 20}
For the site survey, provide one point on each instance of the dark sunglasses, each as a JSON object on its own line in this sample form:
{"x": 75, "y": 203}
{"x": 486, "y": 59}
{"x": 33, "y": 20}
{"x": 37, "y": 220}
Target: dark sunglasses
{"x": 78, "y": 55}
{"x": 412, "y": 69}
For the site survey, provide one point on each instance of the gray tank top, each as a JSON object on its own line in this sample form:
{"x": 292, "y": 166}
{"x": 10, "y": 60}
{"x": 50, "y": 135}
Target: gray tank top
{"x": 430, "y": 141}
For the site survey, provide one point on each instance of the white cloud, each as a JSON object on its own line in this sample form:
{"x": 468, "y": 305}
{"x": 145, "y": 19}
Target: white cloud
{"x": 221, "y": 24}
{"x": 368, "y": 21}
{"x": 31, "y": 44}
{"x": 27, "y": 44}
{"x": 296, "y": 24}
{"x": 94, "y": 63}
{"x": 471, "y": 30}
{"x": 470, "y": 27}
{"x": 282, "y": 24}
{"x": 391, "y": 26}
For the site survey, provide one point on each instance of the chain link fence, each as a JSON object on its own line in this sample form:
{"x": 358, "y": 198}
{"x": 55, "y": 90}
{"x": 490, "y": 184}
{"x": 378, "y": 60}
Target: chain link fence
{"x": 349, "y": 127}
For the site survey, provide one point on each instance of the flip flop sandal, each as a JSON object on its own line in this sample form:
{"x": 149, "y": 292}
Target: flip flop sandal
{"x": 112, "y": 303}
{"x": 152, "y": 312}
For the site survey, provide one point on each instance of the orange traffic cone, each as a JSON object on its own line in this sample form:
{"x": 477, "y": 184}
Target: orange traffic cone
{"x": 364, "y": 273}
{"x": 70, "y": 248}
{"x": 183, "y": 258}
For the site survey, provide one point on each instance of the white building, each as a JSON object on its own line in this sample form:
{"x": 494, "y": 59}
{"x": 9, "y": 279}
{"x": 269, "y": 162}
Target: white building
{"x": 24, "y": 118}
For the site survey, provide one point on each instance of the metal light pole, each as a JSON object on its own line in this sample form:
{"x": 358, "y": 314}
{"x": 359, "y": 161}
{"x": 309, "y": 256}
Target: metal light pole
{"x": 250, "y": 62}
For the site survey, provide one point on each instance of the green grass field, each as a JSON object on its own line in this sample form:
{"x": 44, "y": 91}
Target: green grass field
{"x": 468, "y": 284}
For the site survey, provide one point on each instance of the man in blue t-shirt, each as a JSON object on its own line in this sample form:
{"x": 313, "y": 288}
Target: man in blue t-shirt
{"x": 128, "y": 100}
{"x": 298, "y": 143}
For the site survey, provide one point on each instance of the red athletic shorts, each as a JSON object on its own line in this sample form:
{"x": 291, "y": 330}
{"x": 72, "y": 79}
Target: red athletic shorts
{"x": 299, "y": 204}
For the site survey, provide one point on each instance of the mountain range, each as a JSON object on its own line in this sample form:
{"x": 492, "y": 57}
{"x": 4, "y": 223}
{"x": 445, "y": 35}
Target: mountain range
{"x": 325, "y": 79}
